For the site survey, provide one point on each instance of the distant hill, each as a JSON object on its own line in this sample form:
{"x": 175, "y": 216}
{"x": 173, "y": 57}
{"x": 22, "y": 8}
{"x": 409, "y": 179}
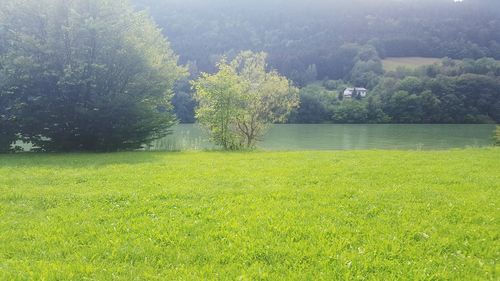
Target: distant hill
{"x": 298, "y": 35}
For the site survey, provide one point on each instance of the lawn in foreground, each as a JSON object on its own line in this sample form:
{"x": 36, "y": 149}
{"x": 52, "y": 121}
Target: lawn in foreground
{"x": 376, "y": 215}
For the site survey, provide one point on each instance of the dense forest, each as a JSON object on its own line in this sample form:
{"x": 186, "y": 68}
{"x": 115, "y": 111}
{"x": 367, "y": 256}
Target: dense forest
{"x": 297, "y": 34}
{"x": 341, "y": 44}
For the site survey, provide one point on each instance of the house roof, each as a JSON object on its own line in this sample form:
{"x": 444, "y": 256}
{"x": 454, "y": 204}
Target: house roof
{"x": 355, "y": 89}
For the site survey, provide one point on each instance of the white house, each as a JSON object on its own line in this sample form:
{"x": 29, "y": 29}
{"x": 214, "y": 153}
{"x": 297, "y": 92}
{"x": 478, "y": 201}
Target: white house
{"x": 355, "y": 92}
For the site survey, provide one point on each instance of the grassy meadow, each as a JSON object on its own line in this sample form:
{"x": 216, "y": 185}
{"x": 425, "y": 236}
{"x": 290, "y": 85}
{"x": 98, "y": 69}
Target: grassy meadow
{"x": 391, "y": 64}
{"x": 352, "y": 215}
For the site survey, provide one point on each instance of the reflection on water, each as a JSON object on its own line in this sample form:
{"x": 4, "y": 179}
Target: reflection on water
{"x": 344, "y": 137}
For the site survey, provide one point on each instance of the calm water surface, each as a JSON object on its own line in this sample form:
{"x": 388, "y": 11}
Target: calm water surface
{"x": 344, "y": 137}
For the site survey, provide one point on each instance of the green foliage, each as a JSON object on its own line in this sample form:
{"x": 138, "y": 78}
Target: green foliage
{"x": 350, "y": 111}
{"x": 367, "y": 68}
{"x": 7, "y": 122}
{"x": 85, "y": 74}
{"x": 7, "y": 137}
{"x": 220, "y": 99}
{"x": 252, "y": 216}
{"x": 320, "y": 105}
{"x": 184, "y": 102}
{"x": 404, "y": 107}
{"x": 303, "y": 78}
{"x": 442, "y": 94}
{"x": 375, "y": 111}
{"x": 497, "y": 136}
{"x": 240, "y": 101}
{"x": 311, "y": 74}
{"x": 315, "y": 105}
{"x": 332, "y": 85}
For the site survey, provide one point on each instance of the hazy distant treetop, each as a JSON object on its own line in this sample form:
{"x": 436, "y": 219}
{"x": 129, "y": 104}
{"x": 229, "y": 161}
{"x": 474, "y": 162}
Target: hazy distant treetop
{"x": 315, "y": 4}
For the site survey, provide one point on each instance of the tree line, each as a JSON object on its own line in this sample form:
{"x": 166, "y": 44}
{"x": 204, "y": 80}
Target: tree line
{"x": 451, "y": 91}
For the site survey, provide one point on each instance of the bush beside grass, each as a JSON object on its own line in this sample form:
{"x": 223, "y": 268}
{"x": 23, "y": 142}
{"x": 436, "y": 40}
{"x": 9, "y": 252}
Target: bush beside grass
{"x": 376, "y": 215}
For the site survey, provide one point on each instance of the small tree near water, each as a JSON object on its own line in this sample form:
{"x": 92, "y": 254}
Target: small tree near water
{"x": 239, "y": 102}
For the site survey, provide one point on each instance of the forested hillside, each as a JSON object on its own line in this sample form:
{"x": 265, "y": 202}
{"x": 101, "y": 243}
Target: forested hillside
{"x": 298, "y": 34}
{"x": 326, "y": 46}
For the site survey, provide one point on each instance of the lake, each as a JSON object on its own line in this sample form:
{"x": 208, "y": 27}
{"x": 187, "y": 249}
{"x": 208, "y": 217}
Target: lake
{"x": 344, "y": 137}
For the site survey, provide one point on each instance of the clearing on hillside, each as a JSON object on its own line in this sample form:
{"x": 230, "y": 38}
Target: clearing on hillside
{"x": 391, "y": 64}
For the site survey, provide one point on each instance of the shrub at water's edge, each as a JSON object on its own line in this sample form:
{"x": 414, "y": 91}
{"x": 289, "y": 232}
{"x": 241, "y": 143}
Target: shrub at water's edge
{"x": 84, "y": 75}
{"x": 240, "y": 101}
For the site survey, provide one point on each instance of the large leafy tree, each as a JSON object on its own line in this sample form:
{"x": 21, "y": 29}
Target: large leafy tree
{"x": 85, "y": 74}
{"x": 240, "y": 101}
{"x": 7, "y": 124}
{"x": 8, "y": 131}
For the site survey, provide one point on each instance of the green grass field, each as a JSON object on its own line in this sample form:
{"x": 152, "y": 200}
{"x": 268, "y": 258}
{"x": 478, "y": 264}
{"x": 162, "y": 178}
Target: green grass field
{"x": 354, "y": 215}
{"x": 391, "y": 64}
